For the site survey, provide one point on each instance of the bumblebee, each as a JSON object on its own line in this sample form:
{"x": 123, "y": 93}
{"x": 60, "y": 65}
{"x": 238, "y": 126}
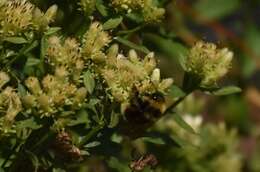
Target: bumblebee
{"x": 142, "y": 112}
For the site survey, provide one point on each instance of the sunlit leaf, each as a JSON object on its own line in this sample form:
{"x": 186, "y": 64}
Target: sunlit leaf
{"x": 227, "y": 90}
{"x": 158, "y": 141}
{"x": 16, "y": 40}
{"x": 112, "y": 23}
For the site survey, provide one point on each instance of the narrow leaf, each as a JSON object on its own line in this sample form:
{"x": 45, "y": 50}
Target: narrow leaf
{"x": 32, "y": 62}
{"x": 157, "y": 140}
{"x": 52, "y": 30}
{"x": 89, "y": 81}
{"x": 113, "y": 120}
{"x": 178, "y": 119}
{"x": 92, "y": 144}
{"x": 101, "y": 8}
{"x": 16, "y": 40}
{"x": 112, "y": 23}
{"x": 227, "y": 90}
{"x": 132, "y": 45}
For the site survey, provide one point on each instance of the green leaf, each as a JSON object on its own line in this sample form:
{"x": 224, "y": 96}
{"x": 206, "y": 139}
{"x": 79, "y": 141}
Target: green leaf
{"x": 101, "y": 8}
{"x": 21, "y": 90}
{"x": 132, "y": 45}
{"x": 122, "y": 32}
{"x": 112, "y": 23}
{"x": 32, "y": 62}
{"x": 227, "y": 90}
{"x": 16, "y": 40}
{"x": 89, "y": 81}
{"x": 92, "y": 144}
{"x": 52, "y": 30}
{"x": 183, "y": 124}
{"x": 114, "y": 120}
{"x": 136, "y": 17}
{"x": 84, "y": 153}
{"x": 33, "y": 45}
{"x": 157, "y": 140}
{"x": 116, "y": 138}
{"x": 175, "y": 91}
{"x": 213, "y": 9}
{"x": 28, "y": 123}
{"x": 81, "y": 118}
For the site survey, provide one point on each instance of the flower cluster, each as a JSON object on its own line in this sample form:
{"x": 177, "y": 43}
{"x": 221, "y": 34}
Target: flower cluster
{"x": 152, "y": 13}
{"x": 17, "y": 16}
{"x": 208, "y": 63}
{"x": 88, "y": 6}
{"x": 65, "y": 58}
{"x": 149, "y": 11}
{"x": 52, "y": 95}
{"x": 10, "y": 103}
{"x": 121, "y": 74}
{"x": 94, "y": 41}
{"x": 213, "y": 140}
{"x": 124, "y": 74}
{"x": 128, "y": 5}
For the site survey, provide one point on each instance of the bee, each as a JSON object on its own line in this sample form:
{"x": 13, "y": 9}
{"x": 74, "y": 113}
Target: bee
{"x": 142, "y": 112}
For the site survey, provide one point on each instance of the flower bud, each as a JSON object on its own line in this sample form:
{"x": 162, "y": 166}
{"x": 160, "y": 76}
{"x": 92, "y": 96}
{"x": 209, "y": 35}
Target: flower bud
{"x": 33, "y": 84}
{"x": 165, "y": 84}
{"x": 61, "y": 73}
{"x": 29, "y": 101}
{"x": 112, "y": 52}
{"x": 45, "y": 103}
{"x": 133, "y": 56}
{"x": 51, "y": 13}
{"x": 149, "y": 62}
{"x": 49, "y": 83}
{"x": 156, "y": 76}
{"x": 80, "y": 95}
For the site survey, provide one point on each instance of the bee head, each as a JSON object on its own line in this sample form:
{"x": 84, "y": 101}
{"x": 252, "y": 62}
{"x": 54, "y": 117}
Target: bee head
{"x": 156, "y": 100}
